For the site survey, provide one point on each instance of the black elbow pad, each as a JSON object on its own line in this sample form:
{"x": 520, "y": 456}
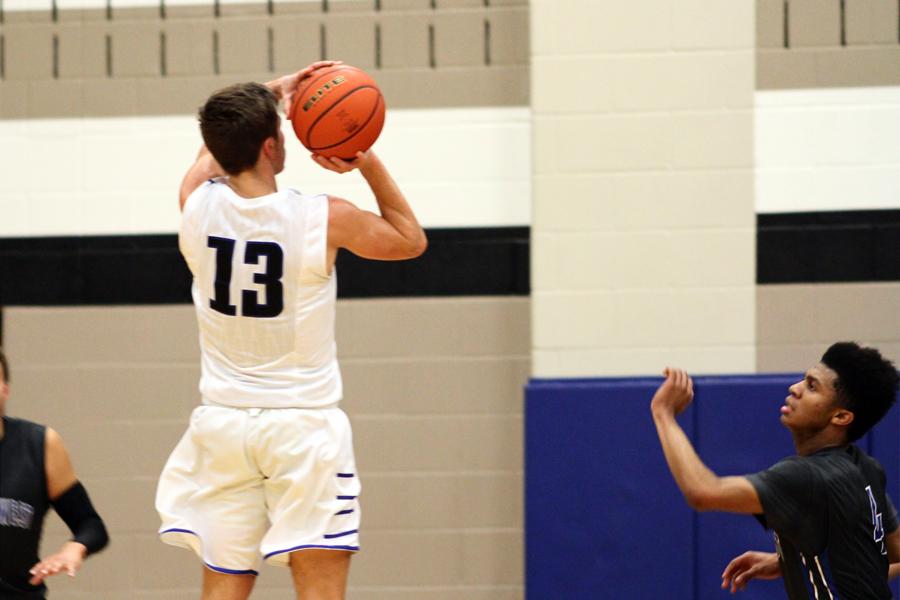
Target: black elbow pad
{"x": 75, "y": 509}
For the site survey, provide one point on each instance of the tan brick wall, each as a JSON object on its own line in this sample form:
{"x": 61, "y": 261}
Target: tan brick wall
{"x": 798, "y": 322}
{"x": 142, "y": 61}
{"x": 816, "y": 43}
{"x": 433, "y": 388}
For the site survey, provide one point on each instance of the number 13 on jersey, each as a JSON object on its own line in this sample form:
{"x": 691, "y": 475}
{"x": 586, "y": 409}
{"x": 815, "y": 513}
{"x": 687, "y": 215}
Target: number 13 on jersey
{"x": 270, "y": 278}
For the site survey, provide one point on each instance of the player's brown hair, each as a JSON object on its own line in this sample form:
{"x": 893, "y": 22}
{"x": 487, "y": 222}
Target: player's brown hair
{"x": 5, "y": 365}
{"x": 235, "y": 122}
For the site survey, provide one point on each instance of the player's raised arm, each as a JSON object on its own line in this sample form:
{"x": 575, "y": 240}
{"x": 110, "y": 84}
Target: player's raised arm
{"x": 395, "y": 234}
{"x": 702, "y": 488}
{"x": 204, "y": 167}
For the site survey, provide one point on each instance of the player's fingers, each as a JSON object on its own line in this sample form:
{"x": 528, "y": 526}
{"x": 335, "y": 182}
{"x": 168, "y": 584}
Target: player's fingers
{"x": 323, "y": 162}
{"x": 733, "y": 567}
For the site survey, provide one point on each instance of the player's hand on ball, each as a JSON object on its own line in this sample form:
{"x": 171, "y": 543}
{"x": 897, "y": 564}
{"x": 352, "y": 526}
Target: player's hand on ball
{"x": 750, "y": 565}
{"x": 675, "y": 393}
{"x": 68, "y": 560}
{"x": 339, "y": 165}
{"x": 285, "y": 87}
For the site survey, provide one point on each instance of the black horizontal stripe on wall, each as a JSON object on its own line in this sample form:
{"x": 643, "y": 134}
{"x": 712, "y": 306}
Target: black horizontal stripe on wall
{"x": 148, "y": 269}
{"x": 823, "y": 247}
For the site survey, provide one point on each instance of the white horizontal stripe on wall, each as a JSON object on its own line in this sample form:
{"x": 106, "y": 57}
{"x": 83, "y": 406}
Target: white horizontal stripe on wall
{"x": 458, "y": 168}
{"x": 827, "y": 149}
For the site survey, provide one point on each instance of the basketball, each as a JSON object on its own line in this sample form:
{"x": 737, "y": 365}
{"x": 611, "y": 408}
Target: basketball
{"x": 338, "y": 112}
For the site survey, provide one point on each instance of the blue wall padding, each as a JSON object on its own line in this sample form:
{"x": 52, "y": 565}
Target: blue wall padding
{"x": 604, "y": 518}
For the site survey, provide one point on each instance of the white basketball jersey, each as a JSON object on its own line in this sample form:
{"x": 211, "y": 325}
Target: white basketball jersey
{"x": 264, "y": 299}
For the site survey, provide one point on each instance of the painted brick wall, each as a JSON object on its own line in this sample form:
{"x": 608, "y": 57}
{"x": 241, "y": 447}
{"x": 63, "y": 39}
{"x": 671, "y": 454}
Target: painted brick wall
{"x": 642, "y": 231}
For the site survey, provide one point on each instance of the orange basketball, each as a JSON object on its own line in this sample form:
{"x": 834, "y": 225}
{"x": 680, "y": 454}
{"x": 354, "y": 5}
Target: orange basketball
{"x": 338, "y": 112}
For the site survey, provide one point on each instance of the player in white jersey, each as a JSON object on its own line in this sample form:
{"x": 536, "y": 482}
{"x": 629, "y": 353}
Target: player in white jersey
{"x": 266, "y": 467}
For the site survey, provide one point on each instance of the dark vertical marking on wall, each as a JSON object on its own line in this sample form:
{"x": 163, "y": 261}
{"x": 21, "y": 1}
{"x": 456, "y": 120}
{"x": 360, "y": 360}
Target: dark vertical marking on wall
{"x": 270, "y": 48}
{"x": 162, "y": 9}
{"x": 487, "y": 41}
{"x": 217, "y": 9}
{"x": 54, "y": 11}
{"x": 325, "y": 6}
{"x": 215, "y": 49}
{"x": 2, "y": 57}
{"x": 787, "y": 24}
{"x": 270, "y": 7}
{"x": 377, "y": 45}
{"x": 432, "y": 55}
{"x": 323, "y": 42}
{"x": 163, "y": 66}
{"x": 433, "y": 4}
{"x": 843, "y": 22}
{"x": 109, "y": 56}
{"x": 109, "y": 15}
{"x": 3, "y": 13}
{"x": 377, "y": 4}
{"x": 55, "y": 56}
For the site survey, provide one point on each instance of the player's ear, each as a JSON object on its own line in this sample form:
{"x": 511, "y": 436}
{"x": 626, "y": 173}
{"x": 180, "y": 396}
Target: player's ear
{"x": 842, "y": 417}
{"x": 269, "y": 147}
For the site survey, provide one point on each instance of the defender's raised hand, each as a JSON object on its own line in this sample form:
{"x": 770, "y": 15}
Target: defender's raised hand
{"x": 675, "y": 394}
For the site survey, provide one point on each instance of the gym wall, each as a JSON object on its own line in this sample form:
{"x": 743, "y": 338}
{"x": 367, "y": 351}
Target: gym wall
{"x": 97, "y": 104}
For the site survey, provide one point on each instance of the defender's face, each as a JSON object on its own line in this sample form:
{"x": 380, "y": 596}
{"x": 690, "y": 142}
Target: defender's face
{"x": 812, "y": 401}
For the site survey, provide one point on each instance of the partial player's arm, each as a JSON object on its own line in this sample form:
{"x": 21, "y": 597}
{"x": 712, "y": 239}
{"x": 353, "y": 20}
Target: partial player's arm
{"x": 204, "y": 167}
{"x": 395, "y": 234}
{"x": 71, "y": 502}
{"x": 892, "y": 542}
{"x": 702, "y": 488}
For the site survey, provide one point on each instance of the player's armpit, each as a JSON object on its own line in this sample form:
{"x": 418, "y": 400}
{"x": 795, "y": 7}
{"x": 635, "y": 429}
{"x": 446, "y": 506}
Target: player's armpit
{"x": 366, "y": 234}
{"x": 729, "y": 494}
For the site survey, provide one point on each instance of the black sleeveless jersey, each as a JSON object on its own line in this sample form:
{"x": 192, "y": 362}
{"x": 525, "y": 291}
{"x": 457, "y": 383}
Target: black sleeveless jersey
{"x": 830, "y": 514}
{"x": 23, "y": 503}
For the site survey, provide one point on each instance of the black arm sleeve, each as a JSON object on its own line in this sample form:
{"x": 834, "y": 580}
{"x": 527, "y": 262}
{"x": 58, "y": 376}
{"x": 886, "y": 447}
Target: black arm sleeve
{"x": 75, "y": 509}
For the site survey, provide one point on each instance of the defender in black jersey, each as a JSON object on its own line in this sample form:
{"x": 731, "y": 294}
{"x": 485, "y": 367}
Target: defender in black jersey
{"x": 836, "y": 533}
{"x": 35, "y": 474}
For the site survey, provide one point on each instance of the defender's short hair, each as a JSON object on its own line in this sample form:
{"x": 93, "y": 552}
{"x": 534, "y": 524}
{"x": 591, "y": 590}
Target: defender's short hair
{"x": 866, "y": 384}
{"x": 235, "y": 122}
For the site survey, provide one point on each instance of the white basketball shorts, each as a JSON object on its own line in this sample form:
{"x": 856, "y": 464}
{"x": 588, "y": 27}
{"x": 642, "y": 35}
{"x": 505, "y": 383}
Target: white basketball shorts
{"x": 244, "y": 485}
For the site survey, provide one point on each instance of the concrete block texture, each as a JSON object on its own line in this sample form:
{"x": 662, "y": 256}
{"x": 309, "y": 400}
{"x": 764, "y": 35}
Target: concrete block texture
{"x": 437, "y": 427}
{"x": 643, "y": 220}
{"x": 852, "y": 66}
{"x": 453, "y": 54}
{"x": 770, "y": 19}
{"x": 814, "y": 23}
{"x": 28, "y": 51}
{"x": 825, "y": 313}
{"x": 872, "y": 22}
